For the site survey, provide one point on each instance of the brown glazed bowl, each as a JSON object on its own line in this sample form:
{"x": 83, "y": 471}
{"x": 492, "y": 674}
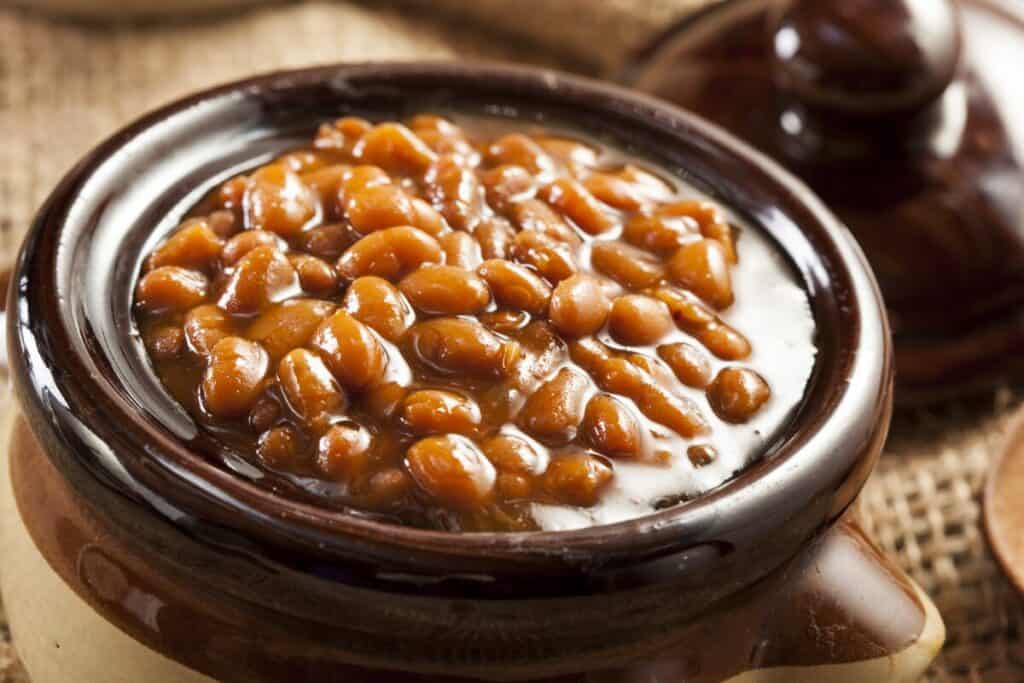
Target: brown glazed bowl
{"x": 130, "y": 556}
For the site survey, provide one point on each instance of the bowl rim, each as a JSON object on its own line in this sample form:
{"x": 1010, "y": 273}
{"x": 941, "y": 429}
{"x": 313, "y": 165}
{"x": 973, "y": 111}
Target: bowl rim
{"x": 817, "y": 457}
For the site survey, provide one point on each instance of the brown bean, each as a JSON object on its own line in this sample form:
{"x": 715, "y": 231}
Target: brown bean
{"x": 702, "y": 455}
{"x": 454, "y": 191}
{"x": 280, "y": 448}
{"x": 630, "y": 267}
{"x": 378, "y": 303}
{"x": 165, "y": 342}
{"x": 223, "y": 223}
{"x": 516, "y": 287}
{"x": 445, "y": 290}
{"x": 703, "y": 268}
{"x": 568, "y": 150}
{"x": 553, "y": 413}
{"x": 360, "y": 178}
{"x": 389, "y": 254}
{"x": 288, "y": 325}
{"x": 351, "y": 351}
{"x": 660, "y": 234}
{"x": 378, "y": 207}
{"x": 231, "y": 193}
{"x": 547, "y": 256}
{"x": 461, "y": 250}
{"x": 432, "y": 411}
{"x": 301, "y": 161}
{"x": 327, "y": 241}
{"x": 690, "y": 313}
{"x": 383, "y": 401}
{"x": 725, "y": 342}
{"x": 535, "y": 215}
{"x": 505, "y": 321}
{"x": 576, "y": 202}
{"x": 309, "y": 388}
{"x": 688, "y": 363}
{"x": 315, "y": 275}
{"x": 456, "y": 345}
{"x": 452, "y": 471}
{"x": 611, "y": 428}
{"x": 505, "y": 185}
{"x": 577, "y": 478}
{"x": 205, "y": 326}
{"x": 244, "y": 242}
{"x": 387, "y": 487}
{"x": 638, "y": 320}
{"x": 327, "y": 182}
{"x": 495, "y": 235}
{"x": 394, "y": 148}
{"x": 579, "y": 306}
{"x": 262, "y": 277}
{"x": 736, "y": 394}
{"x": 709, "y": 217}
{"x": 170, "y": 288}
{"x": 194, "y": 246}
{"x": 344, "y": 452}
{"x": 428, "y": 219}
{"x": 520, "y": 150}
{"x": 234, "y": 377}
{"x": 264, "y": 414}
{"x": 276, "y": 200}
{"x": 343, "y": 135}
{"x": 514, "y": 455}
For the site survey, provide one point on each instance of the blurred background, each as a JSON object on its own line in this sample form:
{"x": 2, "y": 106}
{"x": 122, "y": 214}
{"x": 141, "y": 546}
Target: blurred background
{"x": 73, "y": 71}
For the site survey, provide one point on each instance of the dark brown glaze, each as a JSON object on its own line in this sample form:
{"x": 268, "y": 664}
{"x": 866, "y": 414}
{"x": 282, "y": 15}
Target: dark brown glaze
{"x": 862, "y": 100}
{"x": 158, "y": 598}
{"x": 522, "y": 605}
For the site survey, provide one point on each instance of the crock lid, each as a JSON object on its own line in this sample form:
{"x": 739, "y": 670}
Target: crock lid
{"x": 907, "y": 118}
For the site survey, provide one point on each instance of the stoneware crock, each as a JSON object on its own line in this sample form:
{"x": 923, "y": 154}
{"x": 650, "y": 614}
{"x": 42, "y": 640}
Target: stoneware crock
{"x": 129, "y": 556}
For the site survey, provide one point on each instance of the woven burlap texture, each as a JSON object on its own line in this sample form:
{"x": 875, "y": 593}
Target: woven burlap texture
{"x": 63, "y": 87}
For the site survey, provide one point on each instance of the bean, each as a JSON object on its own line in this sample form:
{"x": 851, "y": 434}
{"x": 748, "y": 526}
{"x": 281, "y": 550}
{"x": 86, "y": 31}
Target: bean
{"x": 170, "y": 289}
{"x": 378, "y": 304}
{"x": 568, "y": 150}
{"x": 327, "y": 241}
{"x": 577, "y": 478}
{"x": 452, "y": 471}
{"x": 579, "y": 306}
{"x": 725, "y": 342}
{"x": 244, "y": 242}
{"x": 520, "y": 150}
{"x": 514, "y": 455}
{"x": 432, "y": 411}
{"x": 382, "y": 401}
{"x": 454, "y": 191}
{"x": 611, "y": 428}
{"x": 576, "y": 202}
{"x": 638, "y": 320}
{"x": 223, "y": 223}
{"x": 262, "y": 277}
{"x": 688, "y": 363}
{"x": 445, "y": 290}
{"x": 515, "y": 287}
{"x": 327, "y": 182}
{"x": 456, "y": 345}
{"x": 553, "y": 413}
{"x": 702, "y": 455}
{"x": 231, "y": 193}
{"x": 315, "y": 275}
{"x": 361, "y": 178}
{"x": 288, "y": 325}
{"x": 495, "y": 235}
{"x": 234, "y": 377}
{"x": 309, "y": 388}
{"x": 630, "y": 267}
{"x": 378, "y": 207}
{"x": 703, "y": 268}
{"x": 280, "y": 448}
{"x": 389, "y": 254}
{"x": 507, "y": 184}
{"x": 301, "y": 161}
{"x": 461, "y": 250}
{"x": 660, "y": 234}
{"x": 194, "y": 246}
{"x": 351, "y": 351}
{"x": 343, "y": 135}
{"x": 394, "y": 148}
{"x": 736, "y": 394}
{"x": 165, "y": 342}
{"x": 505, "y": 321}
{"x": 264, "y": 414}
{"x": 690, "y": 313}
{"x": 387, "y": 487}
{"x": 205, "y": 326}
{"x": 710, "y": 219}
{"x": 535, "y": 215}
{"x": 344, "y": 452}
{"x": 544, "y": 254}
{"x": 276, "y": 200}
{"x": 428, "y": 219}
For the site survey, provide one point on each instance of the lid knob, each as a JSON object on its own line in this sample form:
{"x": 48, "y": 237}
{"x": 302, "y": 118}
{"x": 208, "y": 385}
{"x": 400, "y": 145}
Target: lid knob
{"x": 866, "y": 58}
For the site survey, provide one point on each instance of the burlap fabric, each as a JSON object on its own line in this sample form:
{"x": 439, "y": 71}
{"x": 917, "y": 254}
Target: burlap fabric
{"x": 64, "y": 86}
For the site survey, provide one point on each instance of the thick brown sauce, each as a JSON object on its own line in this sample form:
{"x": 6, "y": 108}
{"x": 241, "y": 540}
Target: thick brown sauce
{"x": 546, "y": 317}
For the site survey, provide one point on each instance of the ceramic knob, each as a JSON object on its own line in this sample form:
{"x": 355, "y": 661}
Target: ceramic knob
{"x": 866, "y": 58}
